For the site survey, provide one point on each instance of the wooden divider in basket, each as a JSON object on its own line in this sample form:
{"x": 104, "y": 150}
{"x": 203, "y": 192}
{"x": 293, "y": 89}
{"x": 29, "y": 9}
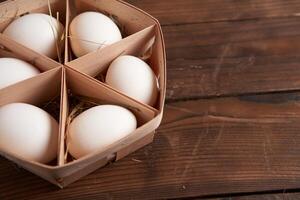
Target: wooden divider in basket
{"x": 98, "y": 61}
{"x": 80, "y": 85}
{"x": 139, "y": 44}
{"x": 39, "y": 91}
{"x": 10, "y": 48}
{"x": 86, "y": 89}
{"x": 129, "y": 19}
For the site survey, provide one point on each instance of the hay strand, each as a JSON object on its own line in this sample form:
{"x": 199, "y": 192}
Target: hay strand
{"x": 54, "y": 31}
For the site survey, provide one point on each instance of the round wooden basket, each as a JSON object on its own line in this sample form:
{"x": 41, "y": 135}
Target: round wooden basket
{"x": 61, "y": 82}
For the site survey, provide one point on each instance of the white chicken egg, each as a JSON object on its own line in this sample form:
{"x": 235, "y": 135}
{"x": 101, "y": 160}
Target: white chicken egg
{"x": 133, "y": 77}
{"x": 13, "y": 70}
{"x": 90, "y": 31}
{"x": 37, "y": 31}
{"x": 29, "y": 132}
{"x": 98, "y": 127}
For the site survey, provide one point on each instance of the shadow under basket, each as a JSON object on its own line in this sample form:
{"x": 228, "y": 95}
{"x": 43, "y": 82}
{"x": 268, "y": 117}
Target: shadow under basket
{"x": 59, "y": 88}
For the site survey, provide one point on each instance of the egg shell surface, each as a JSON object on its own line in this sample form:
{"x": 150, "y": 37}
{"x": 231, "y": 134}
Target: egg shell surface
{"x": 98, "y": 127}
{"x": 13, "y": 70}
{"x": 28, "y": 132}
{"x": 133, "y": 77}
{"x": 90, "y": 31}
{"x": 37, "y": 31}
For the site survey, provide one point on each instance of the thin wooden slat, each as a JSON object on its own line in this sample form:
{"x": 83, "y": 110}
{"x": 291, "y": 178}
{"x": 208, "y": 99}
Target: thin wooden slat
{"x": 197, "y": 11}
{"x": 204, "y": 147}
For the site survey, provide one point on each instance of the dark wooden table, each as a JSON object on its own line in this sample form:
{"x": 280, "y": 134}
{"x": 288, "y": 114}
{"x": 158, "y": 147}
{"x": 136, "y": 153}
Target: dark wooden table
{"x": 231, "y": 128}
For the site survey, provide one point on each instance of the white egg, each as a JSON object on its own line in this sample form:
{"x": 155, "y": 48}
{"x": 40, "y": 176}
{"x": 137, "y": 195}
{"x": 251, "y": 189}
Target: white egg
{"x": 133, "y": 77}
{"x": 98, "y": 127}
{"x": 39, "y": 32}
{"x": 90, "y": 31}
{"x": 13, "y": 70}
{"x": 29, "y": 132}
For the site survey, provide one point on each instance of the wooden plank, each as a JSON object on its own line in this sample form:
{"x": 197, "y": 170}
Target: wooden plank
{"x": 204, "y": 147}
{"x": 230, "y": 58}
{"x": 261, "y": 37}
{"x": 191, "y": 79}
{"x": 198, "y": 11}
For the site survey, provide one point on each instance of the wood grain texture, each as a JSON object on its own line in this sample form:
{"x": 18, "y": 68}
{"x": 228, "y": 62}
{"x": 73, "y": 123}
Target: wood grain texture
{"x": 261, "y": 37}
{"x": 231, "y": 58}
{"x": 171, "y": 12}
{"x": 203, "y": 147}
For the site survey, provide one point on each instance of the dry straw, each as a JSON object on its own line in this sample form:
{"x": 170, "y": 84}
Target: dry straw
{"x": 16, "y": 13}
{"x": 58, "y": 41}
{"x": 79, "y": 105}
{"x": 52, "y": 106}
